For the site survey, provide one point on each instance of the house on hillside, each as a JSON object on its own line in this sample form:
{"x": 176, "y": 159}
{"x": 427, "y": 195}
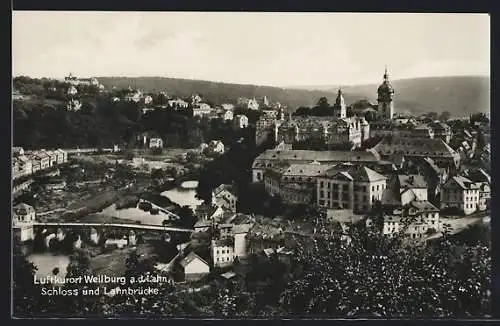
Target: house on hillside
{"x": 215, "y": 147}
{"x": 240, "y": 121}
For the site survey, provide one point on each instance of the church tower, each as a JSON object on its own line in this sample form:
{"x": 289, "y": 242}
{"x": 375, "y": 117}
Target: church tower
{"x": 385, "y": 98}
{"x": 339, "y": 108}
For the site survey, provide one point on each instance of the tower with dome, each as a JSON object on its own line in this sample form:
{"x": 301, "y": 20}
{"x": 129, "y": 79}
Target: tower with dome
{"x": 385, "y": 98}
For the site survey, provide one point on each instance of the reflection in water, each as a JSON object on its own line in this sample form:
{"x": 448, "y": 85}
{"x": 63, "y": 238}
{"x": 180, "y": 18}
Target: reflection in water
{"x": 46, "y": 262}
{"x": 185, "y": 195}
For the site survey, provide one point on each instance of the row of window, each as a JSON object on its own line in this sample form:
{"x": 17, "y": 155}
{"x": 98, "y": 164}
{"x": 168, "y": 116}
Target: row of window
{"x": 222, "y": 251}
{"x": 223, "y": 259}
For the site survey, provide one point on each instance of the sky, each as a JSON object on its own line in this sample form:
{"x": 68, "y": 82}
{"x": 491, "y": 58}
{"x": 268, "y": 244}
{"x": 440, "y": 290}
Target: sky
{"x": 276, "y": 49}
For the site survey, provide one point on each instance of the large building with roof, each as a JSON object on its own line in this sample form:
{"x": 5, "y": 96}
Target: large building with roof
{"x": 462, "y": 194}
{"x": 441, "y": 153}
{"x": 354, "y": 187}
{"x": 277, "y": 158}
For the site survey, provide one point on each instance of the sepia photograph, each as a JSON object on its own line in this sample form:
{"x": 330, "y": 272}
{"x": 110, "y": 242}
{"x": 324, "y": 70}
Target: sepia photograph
{"x": 250, "y": 165}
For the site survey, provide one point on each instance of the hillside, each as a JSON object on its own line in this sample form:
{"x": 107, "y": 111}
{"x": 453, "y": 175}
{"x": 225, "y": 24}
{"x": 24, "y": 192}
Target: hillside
{"x": 459, "y": 95}
{"x": 216, "y": 92}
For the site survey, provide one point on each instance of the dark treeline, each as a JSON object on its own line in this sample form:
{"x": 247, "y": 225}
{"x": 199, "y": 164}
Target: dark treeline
{"x": 44, "y": 121}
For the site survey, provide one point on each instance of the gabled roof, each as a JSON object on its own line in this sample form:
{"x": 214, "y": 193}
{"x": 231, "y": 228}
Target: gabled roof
{"x": 189, "y": 258}
{"x": 465, "y": 183}
{"x": 223, "y": 187}
{"x": 23, "y": 209}
{"x": 423, "y": 206}
{"x": 479, "y": 175}
{"x": 202, "y": 224}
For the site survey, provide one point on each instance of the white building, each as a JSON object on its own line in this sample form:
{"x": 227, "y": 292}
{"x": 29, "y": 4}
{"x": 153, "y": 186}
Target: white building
{"x": 194, "y": 267}
{"x": 23, "y": 216}
{"x": 155, "y": 143}
{"x": 201, "y": 109}
{"x": 216, "y": 146}
{"x": 461, "y": 193}
{"x": 228, "y": 115}
{"x": 416, "y": 219}
{"x": 350, "y": 186}
{"x": 72, "y": 91}
{"x": 253, "y": 104}
{"x": 240, "y": 121}
{"x": 222, "y": 251}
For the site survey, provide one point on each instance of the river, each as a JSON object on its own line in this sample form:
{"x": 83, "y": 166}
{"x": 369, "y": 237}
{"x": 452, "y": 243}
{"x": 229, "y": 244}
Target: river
{"x": 45, "y": 263}
{"x": 184, "y": 195}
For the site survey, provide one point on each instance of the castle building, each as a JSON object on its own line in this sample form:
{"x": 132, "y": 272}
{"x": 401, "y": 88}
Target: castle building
{"x": 385, "y": 101}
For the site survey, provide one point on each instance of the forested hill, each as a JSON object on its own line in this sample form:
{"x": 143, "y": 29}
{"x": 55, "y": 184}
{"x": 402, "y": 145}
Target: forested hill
{"x": 459, "y": 95}
{"x": 216, "y": 92}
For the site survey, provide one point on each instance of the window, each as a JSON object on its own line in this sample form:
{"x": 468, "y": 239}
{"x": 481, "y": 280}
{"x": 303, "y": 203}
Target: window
{"x": 321, "y": 194}
{"x": 373, "y": 188}
{"x": 345, "y": 187}
{"x": 217, "y": 252}
{"x": 321, "y": 202}
{"x": 217, "y": 259}
{"x": 321, "y": 184}
{"x": 364, "y": 188}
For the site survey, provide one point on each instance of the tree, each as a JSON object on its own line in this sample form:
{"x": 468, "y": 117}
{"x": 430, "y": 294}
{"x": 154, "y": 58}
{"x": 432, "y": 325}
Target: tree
{"x": 444, "y": 116}
{"x": 81, "y": 304}
{"x": 132, "y": 266}
{"x": 338, "y": 279}
{"x": 323, "y": 103}
{"x": 25, "y": 293}
{"x": 187, "y": 217}
{"x": 432, "y": 116}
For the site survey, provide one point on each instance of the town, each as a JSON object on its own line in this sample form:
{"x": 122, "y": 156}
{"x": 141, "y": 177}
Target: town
{"x": 424, "y": 178}
{"x": 186, "y": 197}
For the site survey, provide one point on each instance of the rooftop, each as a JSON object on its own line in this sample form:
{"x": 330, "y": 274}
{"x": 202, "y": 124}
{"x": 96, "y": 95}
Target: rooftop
{"x": 190, "y": 257}
{"x": 355, "y": 173}
{"x": 222, "y": 187}
{"x": 423, "y": 206}
{"x": 414, "y": 146}
{"x": 306, "y": 169}
{"x": 319, "y": 156}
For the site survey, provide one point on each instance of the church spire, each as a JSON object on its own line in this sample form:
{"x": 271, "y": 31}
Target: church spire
{"x": 386, "y": 75}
